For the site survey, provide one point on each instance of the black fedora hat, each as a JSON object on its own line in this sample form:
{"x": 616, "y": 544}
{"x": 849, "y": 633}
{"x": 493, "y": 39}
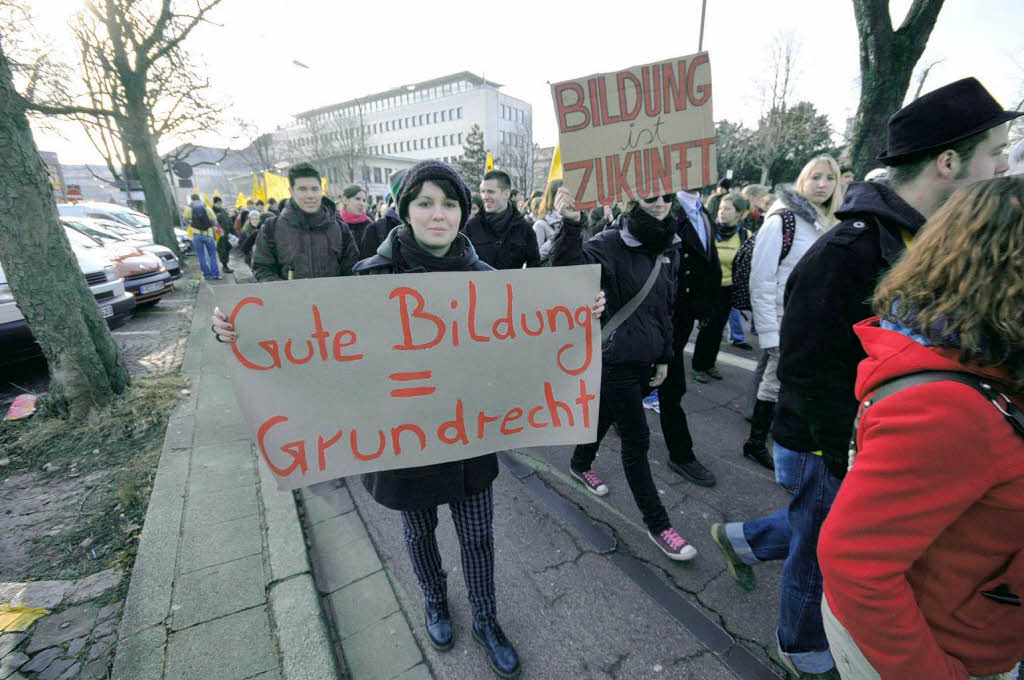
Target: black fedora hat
{"x": 942, "y": 117}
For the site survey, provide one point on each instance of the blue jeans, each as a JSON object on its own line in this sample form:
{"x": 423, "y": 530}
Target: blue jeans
{"x": 767, "y": 538}
{"x": 736, "y": 326}
{"x": 206, "y": 253}
{"x": 801, "y": 633}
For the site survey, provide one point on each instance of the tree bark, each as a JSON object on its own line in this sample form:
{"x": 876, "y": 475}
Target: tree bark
{"x": 887, "y": 60}
{"x": 86, "y": 368}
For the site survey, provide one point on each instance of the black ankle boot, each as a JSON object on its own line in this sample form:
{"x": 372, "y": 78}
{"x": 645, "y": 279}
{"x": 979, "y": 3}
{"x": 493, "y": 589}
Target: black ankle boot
{"x": 755, "y": 447}
{"x": 500, "y": 652}
{"x": 439, "y": 626}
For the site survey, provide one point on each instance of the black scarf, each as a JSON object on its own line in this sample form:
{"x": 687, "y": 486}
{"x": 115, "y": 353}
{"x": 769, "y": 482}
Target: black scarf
{"x": 724, "y": 232}
{"x": 408, "y": 256}
{"x": 498, "y": 223}
{"x": 654, "y": 235}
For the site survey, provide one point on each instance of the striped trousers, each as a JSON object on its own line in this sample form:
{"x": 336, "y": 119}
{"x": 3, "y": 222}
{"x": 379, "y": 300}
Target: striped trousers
{"x": 473, "y": 519}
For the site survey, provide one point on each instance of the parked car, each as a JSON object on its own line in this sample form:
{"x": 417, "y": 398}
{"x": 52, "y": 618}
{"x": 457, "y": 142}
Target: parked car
{"x": 144, "y": 276}
{"x": 115, "y": 303}
{"x": 123, "y": 215}
{"x": 114, "y": 233}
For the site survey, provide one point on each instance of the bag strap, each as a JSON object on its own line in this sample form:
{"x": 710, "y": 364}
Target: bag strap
{"x": 627, "y": 309}
{"x": 788, "y": 232}
{"x": 1009, "y": 410}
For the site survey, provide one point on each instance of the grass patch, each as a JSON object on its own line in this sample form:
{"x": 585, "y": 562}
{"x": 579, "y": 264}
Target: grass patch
{"x": 100, "y": 473}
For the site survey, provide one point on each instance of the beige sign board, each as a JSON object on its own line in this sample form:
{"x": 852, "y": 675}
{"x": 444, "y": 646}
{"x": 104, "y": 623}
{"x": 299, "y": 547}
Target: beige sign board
{"x": 348, "y": 375}
{"x": 642, "y": 131}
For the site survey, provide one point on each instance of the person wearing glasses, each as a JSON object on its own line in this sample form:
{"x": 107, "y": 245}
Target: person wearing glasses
{"x": 637, "y": 353}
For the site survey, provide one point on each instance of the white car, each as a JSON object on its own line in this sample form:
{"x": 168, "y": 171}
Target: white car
{"x": 122, "y": 215}
{"x": 110, "y": 232}
{"x": 116, "y": 306}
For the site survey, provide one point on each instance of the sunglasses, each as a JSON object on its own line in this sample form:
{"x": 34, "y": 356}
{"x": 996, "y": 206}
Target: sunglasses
{"x": 653, "y": 199}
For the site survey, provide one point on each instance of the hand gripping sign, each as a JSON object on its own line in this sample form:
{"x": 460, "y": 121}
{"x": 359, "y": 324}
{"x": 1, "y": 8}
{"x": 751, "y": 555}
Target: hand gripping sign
{"x": 639, "y": 132}
{"x": 342, "y": 376}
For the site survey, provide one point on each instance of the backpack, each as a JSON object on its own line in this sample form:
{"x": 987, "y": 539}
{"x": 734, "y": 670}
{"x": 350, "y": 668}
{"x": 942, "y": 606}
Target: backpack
{"x": 200, "y": 220}
{"x": 741, "y": 263}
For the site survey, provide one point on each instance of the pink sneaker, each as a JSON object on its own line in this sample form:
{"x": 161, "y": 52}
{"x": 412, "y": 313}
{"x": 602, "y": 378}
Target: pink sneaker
{"x": 591, "y": 481}
{"x": 674, "y": 545}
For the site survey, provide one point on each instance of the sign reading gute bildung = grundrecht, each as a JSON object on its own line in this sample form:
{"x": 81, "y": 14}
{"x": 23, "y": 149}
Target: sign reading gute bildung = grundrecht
{"x": 342, "y": 376}
{"x": 639, "y": 132}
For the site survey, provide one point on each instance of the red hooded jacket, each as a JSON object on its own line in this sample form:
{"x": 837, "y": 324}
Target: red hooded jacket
{"x": 931, "y": 515}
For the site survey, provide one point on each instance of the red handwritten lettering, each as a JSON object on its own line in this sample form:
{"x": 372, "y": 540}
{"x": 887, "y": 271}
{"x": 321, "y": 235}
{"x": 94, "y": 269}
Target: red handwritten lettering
{"x": 297, "y": 449}
{"x": 621, "y": 79}
{"x": 510, "y": 417}
{"x": 509, "y": 332}
{"x": 458, "y": 424}
{"x": 402, "y": 293}
{"x": 354, "y": 443}
{"x": 691, "y": 78}
{"x": 321, "y": 448}
{"x": 533, "y": 415}
{"x": 396, "y": 433}
{"x": 587, "y": 167}
{"x": 566, "y": 109}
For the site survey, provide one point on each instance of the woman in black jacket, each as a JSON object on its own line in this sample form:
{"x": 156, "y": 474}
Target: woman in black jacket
{"x": 636, "y": 355}
{"x": 433, "y": 205}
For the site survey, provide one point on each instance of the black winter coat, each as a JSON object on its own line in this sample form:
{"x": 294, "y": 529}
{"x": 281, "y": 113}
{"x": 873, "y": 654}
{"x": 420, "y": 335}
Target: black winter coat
{"x": 427, "y": 486}
{"x": 700, "y": 278}
{"x": 646, "y": 336}
{"x": 831, "y": 289}
{"x": 504, "y": 241}
{"x": 308, "y": 246}
{"x": 377, "y": 233}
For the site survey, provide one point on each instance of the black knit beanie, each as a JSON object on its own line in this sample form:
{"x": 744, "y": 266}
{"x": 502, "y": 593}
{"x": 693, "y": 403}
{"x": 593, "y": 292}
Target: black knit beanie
{"x": 432, "y": 170}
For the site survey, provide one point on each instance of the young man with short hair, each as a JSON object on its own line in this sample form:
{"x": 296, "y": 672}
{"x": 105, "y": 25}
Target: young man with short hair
{"x": 503, "y": 238}
{"x": 308, "y": 239}
{"x": 954, "y": 135}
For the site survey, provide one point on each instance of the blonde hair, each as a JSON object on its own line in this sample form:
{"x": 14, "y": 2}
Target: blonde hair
{"x": 963, "y": 279}
{"x": 830, "y": 206}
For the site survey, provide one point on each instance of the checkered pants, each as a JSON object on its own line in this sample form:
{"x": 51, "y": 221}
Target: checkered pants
{"x": 473, "y": 519}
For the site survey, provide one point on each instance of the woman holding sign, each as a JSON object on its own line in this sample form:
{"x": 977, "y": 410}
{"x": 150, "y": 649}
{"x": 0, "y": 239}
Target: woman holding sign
{"x": 639, "y": 258}
{"x": 434, "y": 205}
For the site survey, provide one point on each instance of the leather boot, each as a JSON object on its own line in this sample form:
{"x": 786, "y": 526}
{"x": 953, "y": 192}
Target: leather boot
{"x": 439, "y": 626}
{"x": 755, "y": 447}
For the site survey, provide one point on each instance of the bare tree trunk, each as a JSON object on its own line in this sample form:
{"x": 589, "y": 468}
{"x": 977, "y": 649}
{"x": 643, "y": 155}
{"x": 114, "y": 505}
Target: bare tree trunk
{"x": 85, "y": 366}
{"x": 887, "y": 60}
{"x": 159, "y": 199}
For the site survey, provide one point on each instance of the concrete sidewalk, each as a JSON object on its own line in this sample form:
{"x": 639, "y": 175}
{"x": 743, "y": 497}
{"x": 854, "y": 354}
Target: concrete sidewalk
{"x": 222, "y": 586}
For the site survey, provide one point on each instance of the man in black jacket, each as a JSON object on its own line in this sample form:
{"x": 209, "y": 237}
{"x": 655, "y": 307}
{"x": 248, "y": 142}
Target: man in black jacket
{"x": 700, "y": 276}
{"x": 227, "y": 228}
{"x": 501, "y": 236}
{"x": 308, "y": 239}
{"x": 377, "y": 233}
{"x": 949, "y": 137}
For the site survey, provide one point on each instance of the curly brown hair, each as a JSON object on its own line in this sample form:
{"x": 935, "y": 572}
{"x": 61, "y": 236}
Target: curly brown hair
{"x": 963, "y": 278}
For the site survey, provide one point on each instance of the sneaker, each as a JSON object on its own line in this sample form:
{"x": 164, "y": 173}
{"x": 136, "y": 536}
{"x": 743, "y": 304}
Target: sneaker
{"x": 742, "y": 345}
{"x": 694, "y": 471}
{"x": 742, "y": 573}
{"x": 702, "y": 376}
{"x": 713, "y": 372}
{"x": 673, "y": 545}
{"x": 793, "y": 672}
{"x": 651, "y": 402}
{"x": 591, "y": 481}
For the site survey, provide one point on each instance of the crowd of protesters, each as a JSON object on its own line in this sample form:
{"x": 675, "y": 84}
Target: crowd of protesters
{"x": 888, "y": 310}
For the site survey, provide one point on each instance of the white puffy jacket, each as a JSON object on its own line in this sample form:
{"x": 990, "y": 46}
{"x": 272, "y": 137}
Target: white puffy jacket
{"x": 768, "y": 276}
{"x": 546, "y": 228}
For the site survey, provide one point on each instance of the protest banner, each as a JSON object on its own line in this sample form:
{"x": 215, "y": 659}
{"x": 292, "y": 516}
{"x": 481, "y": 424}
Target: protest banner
{"x": 341, "y": 376}
{"x": 639, "y": 132}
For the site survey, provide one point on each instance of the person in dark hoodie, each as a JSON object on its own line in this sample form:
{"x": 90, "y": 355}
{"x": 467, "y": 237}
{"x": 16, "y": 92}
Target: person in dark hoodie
{"x": 503, "y": 238}
{"x": 227, "y": 230}
{"x": 433, "y": 205}
{"x": 942, "y": 140}
{"x": 637, "y": 354}
{"x": 376, "y": 233}
{"x": 308, "y": 239}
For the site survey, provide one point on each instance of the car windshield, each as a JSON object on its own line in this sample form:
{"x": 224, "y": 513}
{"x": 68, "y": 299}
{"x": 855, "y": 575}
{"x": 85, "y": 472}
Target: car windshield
{"x": 95, "y": 231}
{"x": 80, "y": 240}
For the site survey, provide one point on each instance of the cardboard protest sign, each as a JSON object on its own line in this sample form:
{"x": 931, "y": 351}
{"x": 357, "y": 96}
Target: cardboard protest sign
{"x": 342, "y": 376}
{"x": 642, "y": 131}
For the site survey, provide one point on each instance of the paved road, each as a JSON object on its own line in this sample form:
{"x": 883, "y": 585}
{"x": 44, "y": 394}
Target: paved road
{"x": 582, "y": 590}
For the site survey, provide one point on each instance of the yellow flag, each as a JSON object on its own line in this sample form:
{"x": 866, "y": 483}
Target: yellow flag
{"x": 490, "y": 163}
{"x": 206, "y": 200}
{"x": 216, "y": 193}
{"x": 276, "y": 186}
{"x": 556, "y": 164}
{"x": 258, "y": 189}
{"x": 240, "y": 202}
{"x": 323, "y": 184}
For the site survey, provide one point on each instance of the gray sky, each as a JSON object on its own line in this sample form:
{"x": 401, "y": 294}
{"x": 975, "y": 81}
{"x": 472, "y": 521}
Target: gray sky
{"x": 355, "y": 49}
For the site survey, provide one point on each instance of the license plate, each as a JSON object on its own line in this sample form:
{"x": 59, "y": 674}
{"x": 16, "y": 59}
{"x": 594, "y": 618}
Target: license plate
{"x": 151, "y": 288}
{"x": 106, "y": 311}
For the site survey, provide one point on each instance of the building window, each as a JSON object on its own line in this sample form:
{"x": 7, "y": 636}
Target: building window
{"x": 459, "y": 111}
{"x": 460, "y": 134}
